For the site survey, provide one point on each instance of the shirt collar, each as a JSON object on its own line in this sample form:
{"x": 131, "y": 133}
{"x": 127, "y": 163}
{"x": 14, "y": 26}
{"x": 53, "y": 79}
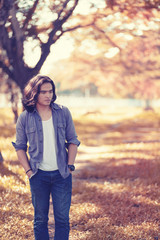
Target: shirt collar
{"x": 56, "y": 106}
{"x": 53, "y": 106}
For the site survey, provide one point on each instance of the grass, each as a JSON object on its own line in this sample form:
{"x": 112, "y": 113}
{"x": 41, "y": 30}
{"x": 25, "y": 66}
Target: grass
{"x": 116, "y": 187}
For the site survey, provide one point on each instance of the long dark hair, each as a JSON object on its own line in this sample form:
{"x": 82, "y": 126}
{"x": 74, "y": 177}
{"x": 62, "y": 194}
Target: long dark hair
{"x": 32, "y": 90}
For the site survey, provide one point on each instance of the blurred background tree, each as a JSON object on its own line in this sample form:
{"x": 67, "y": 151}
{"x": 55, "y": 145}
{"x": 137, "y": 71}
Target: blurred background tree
{"x": 38, "y": 23}
{"x": 29, "y": 24}
{"x": 118, "y": 53}
{"x": 116, "y": 45}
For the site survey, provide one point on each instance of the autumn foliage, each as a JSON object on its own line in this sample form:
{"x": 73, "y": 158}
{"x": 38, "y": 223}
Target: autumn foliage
{"x": 116, "y": 185}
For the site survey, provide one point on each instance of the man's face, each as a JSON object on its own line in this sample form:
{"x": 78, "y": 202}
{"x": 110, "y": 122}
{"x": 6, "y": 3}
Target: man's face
{"x": 46, "y": 94}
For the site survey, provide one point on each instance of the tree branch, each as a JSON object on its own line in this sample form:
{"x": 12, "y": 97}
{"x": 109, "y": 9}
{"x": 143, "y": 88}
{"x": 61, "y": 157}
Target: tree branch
{"x": 30, "y": 13}
{"x": 78, "y": 26}
{"x": 18, "y": 32}
{"x": 63, "y": 7}
{"x": 45, "y": 47}
{"x": 69, "y": 13}
{"x": 4, "y": 11}
{"x": 108, "y": 38}
{"x": 6, "y": 43}
{"x": 6, "y": 70}
{"x": 1, "y": 3}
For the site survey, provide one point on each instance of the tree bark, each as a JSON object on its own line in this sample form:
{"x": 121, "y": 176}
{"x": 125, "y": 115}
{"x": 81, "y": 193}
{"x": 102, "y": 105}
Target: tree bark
{"x": 148, "y": 106}
{"x": 13, "y": 43}
{"x": 1, "y": 157}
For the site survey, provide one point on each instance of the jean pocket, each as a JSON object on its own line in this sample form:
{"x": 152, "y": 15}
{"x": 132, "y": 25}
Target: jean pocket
{"x": 33, "y": 176}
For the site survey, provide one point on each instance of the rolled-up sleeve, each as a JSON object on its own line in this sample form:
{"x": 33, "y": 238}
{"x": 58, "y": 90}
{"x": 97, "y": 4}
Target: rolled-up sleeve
{"x": 71, "y": 136}
{"x": 21, "y": 138}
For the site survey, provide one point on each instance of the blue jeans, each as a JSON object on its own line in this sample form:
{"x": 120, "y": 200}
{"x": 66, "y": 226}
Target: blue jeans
{"x": 42, "y": 184}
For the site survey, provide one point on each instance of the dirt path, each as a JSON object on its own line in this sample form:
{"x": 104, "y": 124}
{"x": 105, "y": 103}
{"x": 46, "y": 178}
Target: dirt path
{"x": 115, "y": 191}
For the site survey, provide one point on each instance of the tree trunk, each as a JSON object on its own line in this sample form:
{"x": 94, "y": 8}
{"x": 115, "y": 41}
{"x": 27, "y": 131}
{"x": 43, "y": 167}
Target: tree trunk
{"x": 1, "y": 158}
{"x": 148, "y": 105}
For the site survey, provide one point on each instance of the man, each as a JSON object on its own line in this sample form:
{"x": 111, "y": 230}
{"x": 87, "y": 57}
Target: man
{"x": 53, "y": 142}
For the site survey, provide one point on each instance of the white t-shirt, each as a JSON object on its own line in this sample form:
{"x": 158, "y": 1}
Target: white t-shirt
{"x": 49, "y": 162}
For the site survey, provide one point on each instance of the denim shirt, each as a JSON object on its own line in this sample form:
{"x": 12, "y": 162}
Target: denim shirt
{"x": 29, "y": 130}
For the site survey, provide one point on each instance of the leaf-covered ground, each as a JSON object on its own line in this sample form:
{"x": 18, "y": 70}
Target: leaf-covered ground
{"x": 116, "y": 187}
